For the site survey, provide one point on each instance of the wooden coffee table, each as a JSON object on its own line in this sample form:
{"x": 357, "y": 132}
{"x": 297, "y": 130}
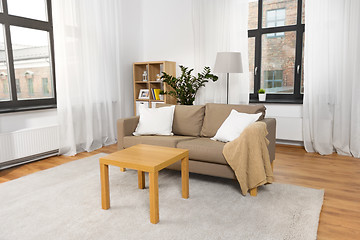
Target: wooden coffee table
{"x": 145, "y": 158}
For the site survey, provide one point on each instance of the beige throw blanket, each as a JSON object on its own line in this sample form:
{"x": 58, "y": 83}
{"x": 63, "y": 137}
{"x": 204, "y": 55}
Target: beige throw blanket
{"x": 248, "y": 156}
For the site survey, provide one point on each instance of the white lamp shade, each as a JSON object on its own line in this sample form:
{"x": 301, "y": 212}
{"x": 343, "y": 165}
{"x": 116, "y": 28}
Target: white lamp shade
{"x": 228, "y": 62}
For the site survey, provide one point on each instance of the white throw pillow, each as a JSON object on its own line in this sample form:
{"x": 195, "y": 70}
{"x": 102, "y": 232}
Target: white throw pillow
{"x": 234, "y": 125}
{"x": 155, "y": 121}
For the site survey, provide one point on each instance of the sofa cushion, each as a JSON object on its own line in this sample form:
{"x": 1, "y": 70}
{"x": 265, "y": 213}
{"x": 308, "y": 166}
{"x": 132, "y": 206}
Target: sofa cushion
{"x": 215, "y": 115}
{"x": 166, "y": 141}
{"x": 188, "y": 119}
{"x": 155, "y": 121}
{"x": 234, "y": 125}
{"x": 204, "y": 149}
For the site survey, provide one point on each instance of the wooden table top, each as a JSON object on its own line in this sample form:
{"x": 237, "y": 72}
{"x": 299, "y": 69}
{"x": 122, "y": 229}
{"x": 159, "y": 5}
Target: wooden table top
{"x": 148, "y": 158}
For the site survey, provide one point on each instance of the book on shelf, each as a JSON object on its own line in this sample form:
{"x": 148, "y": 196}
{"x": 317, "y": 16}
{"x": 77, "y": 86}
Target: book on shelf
{"x": 157, "y": 93}
{"x": 153, "y": 94}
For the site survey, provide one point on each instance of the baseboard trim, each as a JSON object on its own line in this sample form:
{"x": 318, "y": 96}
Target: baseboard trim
{"x": 32, "y": 158}
{"x": 290, "y": 142}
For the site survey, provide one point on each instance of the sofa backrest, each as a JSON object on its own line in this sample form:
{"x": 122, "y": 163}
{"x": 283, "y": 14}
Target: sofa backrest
{"x": 215, "y": 115}
{"x": 188, "y": 119}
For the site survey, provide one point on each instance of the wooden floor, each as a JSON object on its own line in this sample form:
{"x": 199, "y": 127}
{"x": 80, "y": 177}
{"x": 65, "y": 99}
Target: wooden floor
{"x": 338, "y": 175}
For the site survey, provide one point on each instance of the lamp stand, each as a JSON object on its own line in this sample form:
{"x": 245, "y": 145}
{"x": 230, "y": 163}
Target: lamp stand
{"x": 227, "y": 88}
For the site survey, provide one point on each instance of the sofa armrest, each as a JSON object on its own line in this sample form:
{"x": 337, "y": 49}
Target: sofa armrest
{"x": 271, "y": 128}
{"x": 125, "y": 127}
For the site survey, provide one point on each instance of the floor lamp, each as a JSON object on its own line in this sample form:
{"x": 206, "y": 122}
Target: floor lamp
{"x": 228, "y": 62}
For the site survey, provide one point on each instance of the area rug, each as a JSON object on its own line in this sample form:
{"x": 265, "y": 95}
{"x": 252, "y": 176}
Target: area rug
{"x": 64, "y": 203}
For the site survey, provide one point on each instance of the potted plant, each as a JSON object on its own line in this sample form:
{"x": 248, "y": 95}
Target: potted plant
{"x": 262, "y": 95}
{"x": 186, "y": 86}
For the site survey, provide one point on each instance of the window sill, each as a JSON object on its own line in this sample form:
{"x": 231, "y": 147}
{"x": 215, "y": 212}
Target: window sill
{"x": 23, "y": 109}
{"x": 281, "y": 101}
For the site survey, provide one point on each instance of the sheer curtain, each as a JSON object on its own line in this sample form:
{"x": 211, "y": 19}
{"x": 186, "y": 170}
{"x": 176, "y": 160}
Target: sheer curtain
{"x": 332, "y": 81}
{"x": 221, "y": 26}
{"x": 87, "y": 56}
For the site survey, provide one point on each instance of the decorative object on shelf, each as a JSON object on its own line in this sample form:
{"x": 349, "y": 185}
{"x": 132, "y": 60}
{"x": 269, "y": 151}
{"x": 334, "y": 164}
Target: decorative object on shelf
{"x": 262, "y": 95}
{"x": 228, "y": 62}
{"x": 186, "y": 86}
{"x": 144, "y": 94}
{"x": 145, "y": 76}
{"x": 158, "y": 78}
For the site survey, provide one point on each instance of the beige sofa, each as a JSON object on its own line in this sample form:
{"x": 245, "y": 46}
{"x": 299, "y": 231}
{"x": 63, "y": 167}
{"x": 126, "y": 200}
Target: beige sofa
{"x": 193, "y": 126}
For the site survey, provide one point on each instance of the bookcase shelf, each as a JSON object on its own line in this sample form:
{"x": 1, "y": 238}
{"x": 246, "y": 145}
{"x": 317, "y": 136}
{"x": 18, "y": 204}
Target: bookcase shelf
{"x": 152, "y": 68}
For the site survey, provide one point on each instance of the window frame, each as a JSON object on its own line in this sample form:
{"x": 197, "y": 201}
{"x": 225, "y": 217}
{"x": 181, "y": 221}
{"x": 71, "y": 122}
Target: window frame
{"x": 299, "y": 29}
{"x": 7, "y": 20}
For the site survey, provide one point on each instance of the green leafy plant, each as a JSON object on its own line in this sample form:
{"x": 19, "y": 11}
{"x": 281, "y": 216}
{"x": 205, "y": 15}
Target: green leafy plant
{"x": 261, "y": 91}
{"x": 186, "y": 86}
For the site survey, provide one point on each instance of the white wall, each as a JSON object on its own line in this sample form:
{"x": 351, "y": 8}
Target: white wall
{"x": 10, "y": 122}
{"x": 168, "y": 35}
{"x": 131, "y": 49}
{"x": 288, "y": 119}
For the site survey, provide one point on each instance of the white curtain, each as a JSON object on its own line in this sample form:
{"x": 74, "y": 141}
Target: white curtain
{"x": 87, "y": 56}
{"x": 221, "y": 26}
{"x": 332, "y": 80}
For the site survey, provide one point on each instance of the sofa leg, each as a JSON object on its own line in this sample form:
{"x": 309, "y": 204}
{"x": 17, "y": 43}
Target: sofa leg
{"x": 253, "y": 192}
{"x": 272, "y": 165}
{"x": 122, "y": 169}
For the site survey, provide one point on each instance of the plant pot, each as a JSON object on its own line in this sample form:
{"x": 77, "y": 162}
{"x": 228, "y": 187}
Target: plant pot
{"x": 262, "y": 97}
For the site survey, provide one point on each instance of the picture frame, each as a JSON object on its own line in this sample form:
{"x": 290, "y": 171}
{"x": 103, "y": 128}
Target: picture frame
{"x": 144, "y": 94}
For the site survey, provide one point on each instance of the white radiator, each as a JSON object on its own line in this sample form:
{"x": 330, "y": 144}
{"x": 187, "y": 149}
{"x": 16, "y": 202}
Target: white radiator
{"x": 27, "y": 143}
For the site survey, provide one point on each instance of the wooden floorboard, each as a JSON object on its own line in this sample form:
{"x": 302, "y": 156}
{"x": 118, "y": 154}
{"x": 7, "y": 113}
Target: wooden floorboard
{"x": 23, "y": 170}
{"x": 338, "y": 175}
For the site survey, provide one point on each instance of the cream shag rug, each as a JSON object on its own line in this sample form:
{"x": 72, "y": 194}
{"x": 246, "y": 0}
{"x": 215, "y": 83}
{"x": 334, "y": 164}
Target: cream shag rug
{"x": 64, "y": 203}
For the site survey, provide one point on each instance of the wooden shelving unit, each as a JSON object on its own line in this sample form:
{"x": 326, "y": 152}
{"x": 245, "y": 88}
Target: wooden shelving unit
{"x": 152, "y": 68}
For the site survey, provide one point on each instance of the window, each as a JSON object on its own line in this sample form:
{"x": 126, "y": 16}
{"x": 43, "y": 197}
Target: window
{"x": 275, "y": 18}
{"x": 276, "y": 49}
{"x": 45, "y": 87}
{"x": 26, "y": 55}
{"x": 5, "y": 87}
{"x": 18, "y": 87}
{"x": 273, "y": 79}
{"x": 30, "y": 84}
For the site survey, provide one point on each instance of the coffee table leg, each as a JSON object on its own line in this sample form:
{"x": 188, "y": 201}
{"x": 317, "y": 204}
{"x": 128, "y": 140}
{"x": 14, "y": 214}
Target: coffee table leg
{"x": 141, "y": 179}
{"x": 154, "y": 197}
{"x": 122, "y": 169}
{"x": 105, "y": 194}
{"x": 185, "y": 177}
